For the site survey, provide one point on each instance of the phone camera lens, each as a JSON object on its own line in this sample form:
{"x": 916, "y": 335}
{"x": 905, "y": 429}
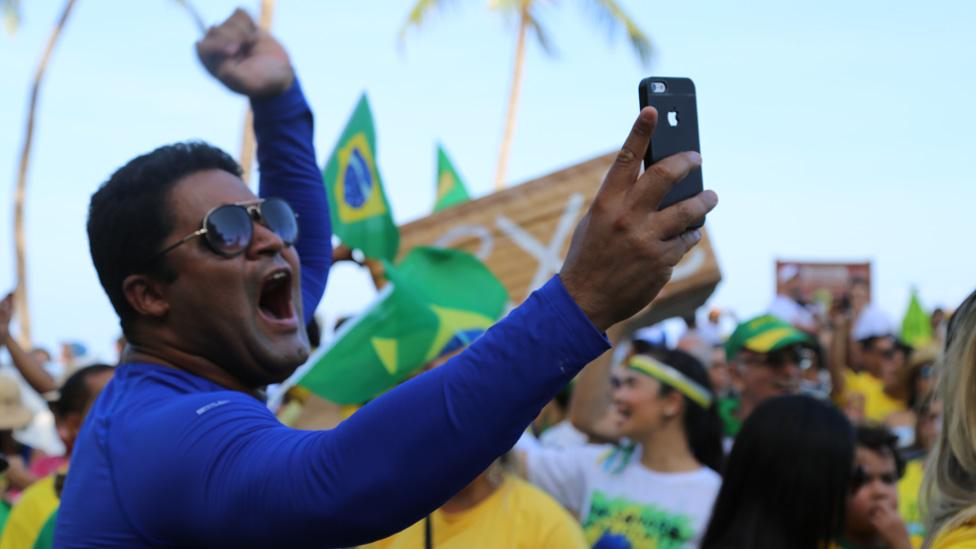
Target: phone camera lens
{"x": 658, "y": 87}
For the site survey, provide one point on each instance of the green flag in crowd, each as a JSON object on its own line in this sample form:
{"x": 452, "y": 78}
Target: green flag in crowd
{"x": 361, "y": 215}
{"x": 450, "y": 187}
{"x": 431, "y": 295}
{"x": 916, "y": 327}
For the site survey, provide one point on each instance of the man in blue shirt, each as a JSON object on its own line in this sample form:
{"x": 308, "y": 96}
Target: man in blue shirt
{"x": 213, "y": 288}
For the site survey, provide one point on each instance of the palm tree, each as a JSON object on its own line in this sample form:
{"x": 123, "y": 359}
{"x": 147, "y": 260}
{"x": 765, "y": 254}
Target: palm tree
{"x": 11, "y": 12}
{"x": 191, "y": 10}
{"x": 607, "y": 12}
{"x": 20, "y": 292}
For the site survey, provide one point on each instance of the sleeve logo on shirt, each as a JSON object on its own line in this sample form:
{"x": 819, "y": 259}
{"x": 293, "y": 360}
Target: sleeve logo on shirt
{"x": 204, "y": 409}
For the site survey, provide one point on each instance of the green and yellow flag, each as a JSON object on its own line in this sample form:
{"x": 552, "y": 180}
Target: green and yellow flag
{"x": 916, "y": 327}
{"x": 450, "y": 187}
{"x": 361, "y": 215}
{"x": 431, "y": 295}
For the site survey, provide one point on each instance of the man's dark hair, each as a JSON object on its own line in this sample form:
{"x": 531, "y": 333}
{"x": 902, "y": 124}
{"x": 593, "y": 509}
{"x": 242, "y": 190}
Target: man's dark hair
{"x": 75, "y": 392}
{"x": 129, "y": 216}
{"x": 881, "y": 441}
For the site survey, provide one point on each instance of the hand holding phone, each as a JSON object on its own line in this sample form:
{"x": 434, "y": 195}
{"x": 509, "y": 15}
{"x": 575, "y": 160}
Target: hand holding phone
{"x": 677, "y": 130}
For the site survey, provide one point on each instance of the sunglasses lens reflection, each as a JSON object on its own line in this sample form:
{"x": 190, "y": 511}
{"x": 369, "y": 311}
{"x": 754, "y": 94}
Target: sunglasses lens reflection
{"x": 280, "y": 218}
{"x": 229, "y": 230}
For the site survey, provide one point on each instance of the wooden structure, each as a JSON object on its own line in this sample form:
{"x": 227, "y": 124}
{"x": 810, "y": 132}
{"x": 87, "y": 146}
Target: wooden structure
{"x": 523, "y": 233}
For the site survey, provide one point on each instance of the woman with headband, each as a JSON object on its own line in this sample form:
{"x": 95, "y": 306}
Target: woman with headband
{"x": 657, "y": 489}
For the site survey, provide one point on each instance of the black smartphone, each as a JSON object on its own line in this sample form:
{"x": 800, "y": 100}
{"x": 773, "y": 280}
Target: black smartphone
{"x": 677, "y": 130}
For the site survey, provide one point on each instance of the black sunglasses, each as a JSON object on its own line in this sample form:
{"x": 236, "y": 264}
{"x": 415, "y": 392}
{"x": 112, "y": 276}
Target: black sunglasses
{"x": 860, "y": 478}
{"x": 229, "y": 228}
{"x": 778, "y": 358}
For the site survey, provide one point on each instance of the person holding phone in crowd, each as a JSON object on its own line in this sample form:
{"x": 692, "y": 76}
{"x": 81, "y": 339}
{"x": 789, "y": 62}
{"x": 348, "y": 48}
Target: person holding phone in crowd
{"x": 214, "y": 286}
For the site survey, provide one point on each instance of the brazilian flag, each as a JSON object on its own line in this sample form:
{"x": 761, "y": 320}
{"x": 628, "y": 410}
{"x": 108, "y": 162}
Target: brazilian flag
{"x": 450, "y": 187}
{"x": 432, "y": 294}
{"x": 361, "y": 215}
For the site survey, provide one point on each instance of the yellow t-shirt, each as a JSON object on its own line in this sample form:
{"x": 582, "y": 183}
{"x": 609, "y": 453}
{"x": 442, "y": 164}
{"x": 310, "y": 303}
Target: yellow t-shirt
{"x": 877, "y": 404}
{"x": 30, "y": 516}
{"x": 516, "y": 516}
{"x": 963, "y": 537}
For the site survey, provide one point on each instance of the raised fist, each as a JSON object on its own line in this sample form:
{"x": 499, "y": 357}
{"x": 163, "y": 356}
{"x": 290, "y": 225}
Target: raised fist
{"x": 245, "y": 58}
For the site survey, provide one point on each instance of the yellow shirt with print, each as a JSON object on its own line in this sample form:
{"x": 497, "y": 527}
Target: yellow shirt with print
{"x": 517, "y": 516}
{"x": 877, "y": 404}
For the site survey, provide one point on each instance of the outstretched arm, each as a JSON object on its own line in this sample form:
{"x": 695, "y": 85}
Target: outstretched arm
{"x": 248, "y": 480}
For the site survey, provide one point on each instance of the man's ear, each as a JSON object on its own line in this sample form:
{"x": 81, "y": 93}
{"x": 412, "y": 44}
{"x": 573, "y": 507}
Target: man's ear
{"x": 146, "y": 295}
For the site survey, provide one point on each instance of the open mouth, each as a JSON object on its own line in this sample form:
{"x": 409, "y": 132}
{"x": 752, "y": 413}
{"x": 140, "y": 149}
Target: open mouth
{"x": 275, "y": 299}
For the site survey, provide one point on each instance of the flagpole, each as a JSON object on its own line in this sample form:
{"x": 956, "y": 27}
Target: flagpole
{"x": 377, "y": 272}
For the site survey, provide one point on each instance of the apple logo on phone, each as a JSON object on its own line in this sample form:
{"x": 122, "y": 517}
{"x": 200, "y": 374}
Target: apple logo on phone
{"x": 673, "y": 119}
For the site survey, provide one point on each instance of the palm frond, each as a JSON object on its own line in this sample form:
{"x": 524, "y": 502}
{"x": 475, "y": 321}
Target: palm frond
{"x": 194, "y": 14}
{"x": 542, "y": 36}
{"x": 419, "y": 14}
{"x": 508, "y": 6}
{"x": 614, "y": 18}
{"x": 11, "y": 14}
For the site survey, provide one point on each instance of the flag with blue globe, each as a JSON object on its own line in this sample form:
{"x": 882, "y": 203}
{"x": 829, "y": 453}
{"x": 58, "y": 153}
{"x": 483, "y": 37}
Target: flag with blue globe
{"x": 361, "y": 215}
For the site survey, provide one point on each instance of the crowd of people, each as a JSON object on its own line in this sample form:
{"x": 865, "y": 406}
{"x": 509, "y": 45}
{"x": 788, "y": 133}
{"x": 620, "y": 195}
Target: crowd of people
{"x": 803, "y": 427}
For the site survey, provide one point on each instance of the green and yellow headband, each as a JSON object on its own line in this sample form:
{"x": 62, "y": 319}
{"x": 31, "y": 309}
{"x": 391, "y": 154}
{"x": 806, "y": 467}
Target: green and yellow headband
{"x": 672, "y": 377}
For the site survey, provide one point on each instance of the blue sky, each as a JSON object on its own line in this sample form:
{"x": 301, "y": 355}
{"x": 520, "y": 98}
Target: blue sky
{"x": 831, "y": 131}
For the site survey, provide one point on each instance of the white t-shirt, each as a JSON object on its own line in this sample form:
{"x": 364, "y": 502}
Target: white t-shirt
{"x": 612, "y": 494}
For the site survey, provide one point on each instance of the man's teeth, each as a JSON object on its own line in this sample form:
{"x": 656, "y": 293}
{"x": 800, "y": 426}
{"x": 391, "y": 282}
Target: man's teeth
{"x": 278, "y": 275}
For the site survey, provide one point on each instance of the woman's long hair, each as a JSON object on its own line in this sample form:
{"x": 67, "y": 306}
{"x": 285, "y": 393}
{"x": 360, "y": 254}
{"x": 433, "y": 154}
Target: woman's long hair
{"x": 787, "y": 480}
{"x": 949, "y": 488}
{"x": 702, "y": 426}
